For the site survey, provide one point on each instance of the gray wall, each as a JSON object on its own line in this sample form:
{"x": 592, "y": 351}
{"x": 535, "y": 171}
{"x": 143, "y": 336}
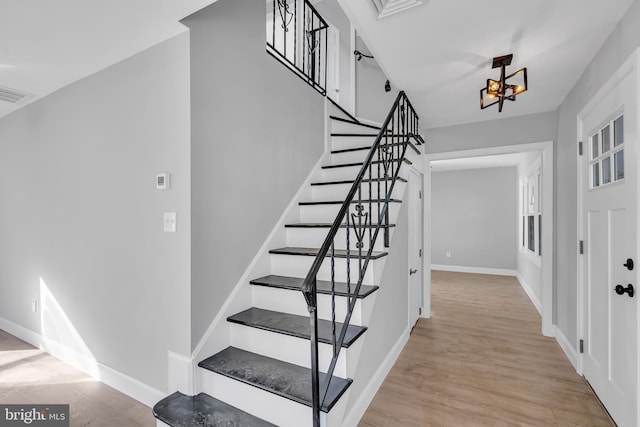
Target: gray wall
{"x": 80, "y": 212}
{"x": 474, "y": 215}
{"x": 510, "y": 131}
{"x": 615, "y": 51}
{"x": 257, "y": 130}
{"x": 372, "y": 102}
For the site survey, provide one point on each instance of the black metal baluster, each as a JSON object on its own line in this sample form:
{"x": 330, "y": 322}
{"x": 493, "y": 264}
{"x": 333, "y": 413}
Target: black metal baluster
{"x": 333, "y": 298}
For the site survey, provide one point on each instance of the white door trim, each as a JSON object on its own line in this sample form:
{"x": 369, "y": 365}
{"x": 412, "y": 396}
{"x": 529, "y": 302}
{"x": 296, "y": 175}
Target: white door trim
{"x": 632, "y": 64}
{"x": 415, "y": 173}
{"x": 546, "y": 147}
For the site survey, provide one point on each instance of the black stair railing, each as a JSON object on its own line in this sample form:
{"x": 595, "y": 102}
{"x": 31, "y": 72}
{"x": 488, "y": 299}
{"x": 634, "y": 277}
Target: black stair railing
{"x": 297, "y": 37}
{"x": 364, "y": 213}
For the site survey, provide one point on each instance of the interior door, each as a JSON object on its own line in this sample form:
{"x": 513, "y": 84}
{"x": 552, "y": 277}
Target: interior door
{"x": 609, "y": 212}
{"x": 415, "y": 246}
{"x": 333, "y": 63}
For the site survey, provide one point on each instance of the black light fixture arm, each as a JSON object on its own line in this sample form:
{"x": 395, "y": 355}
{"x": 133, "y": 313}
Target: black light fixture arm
{"x": 359, "y": 55}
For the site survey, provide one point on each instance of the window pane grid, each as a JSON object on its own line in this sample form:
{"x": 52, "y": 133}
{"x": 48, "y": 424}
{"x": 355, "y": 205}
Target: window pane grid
{"x": 603, "y": 169}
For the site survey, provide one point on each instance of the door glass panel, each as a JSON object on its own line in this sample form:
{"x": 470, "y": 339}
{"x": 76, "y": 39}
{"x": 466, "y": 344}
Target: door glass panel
{"x": 606, "y": 170}
{"x": 618, "y": 163}
{"x": 595, "y": 146}
{"x": 531, "y": 228}
{"x": 595, "y": 175}
{"x": 618, "y": 131}
{"x": 606, "y": 139}
{"x": 540, "y": 235}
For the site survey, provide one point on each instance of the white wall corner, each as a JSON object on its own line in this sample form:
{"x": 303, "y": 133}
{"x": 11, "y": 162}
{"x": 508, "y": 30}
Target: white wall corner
{"x": 568, "y": 349}
{"x": 532, "y": 296}
{"x": 360, "y": 407}
{"x": 181, "y": 372}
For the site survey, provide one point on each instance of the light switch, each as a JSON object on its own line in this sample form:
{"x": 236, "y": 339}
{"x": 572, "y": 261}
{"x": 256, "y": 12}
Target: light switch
{"x": 169, "y": 222}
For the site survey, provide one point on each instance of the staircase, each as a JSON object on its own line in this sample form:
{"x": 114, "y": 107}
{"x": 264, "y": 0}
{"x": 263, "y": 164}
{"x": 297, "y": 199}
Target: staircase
{"x": 266, "y": 376}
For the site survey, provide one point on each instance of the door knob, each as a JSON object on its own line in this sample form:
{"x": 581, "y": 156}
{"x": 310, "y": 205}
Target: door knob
{"x": 411, "y": 271}
{"x": 628, "y": 264}
{"x": 621, "y": 290}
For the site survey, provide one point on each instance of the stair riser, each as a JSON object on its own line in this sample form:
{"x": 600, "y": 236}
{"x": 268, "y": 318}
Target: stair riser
{"x": 327, "y": 213}
{"x": 299, "y": 266}
{"x": 346, "y": 142}
{"x": 314, "y": 237}
{"x": 338, "y": 126}
{"x": 289, "y": 349}
{"x": 350, "y": 173}
{"x": 340, "y": 191}
{"x": 293, "y": 302}
{"x": 268, "y": 406}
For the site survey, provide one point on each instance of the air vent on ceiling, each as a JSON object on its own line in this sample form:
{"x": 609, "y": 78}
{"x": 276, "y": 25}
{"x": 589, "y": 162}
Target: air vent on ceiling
{"x": 389, "y": 7}
{"x": 11, "y": 95}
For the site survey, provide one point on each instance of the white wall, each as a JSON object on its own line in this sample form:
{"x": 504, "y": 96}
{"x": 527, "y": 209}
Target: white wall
{"x": 257, "y": 131}
{"x": 474, "y": 217}
{"x": 81, "y": 219}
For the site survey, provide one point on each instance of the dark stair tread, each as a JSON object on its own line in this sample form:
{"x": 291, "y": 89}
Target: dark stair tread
{"x": 328, "y": 225}
{"x": 275, "y": 376}
{"x": 347, "y": 181}
{"x": 294, "y": 325}
{"x": 346, "y": 165}
{"x": 340, "y": 119}
{"x": 339, "y": 253}
{"x": 323, "y": 286}
{"x": 339, "y": 202}
{"x": 367, "y": 148}
{"x": 202, "y": 410}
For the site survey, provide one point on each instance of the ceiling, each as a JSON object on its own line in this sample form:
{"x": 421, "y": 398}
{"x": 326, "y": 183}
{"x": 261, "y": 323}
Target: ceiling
{"x": 46, "y": 45}
{"x": 440, "y": 52}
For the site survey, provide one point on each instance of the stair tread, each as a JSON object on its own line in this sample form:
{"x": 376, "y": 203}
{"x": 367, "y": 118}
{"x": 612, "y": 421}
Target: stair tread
{"x": 328, "y": 225}
{"x": 347, "y": 165}
{"x": 339, "y": 202}
{"x": 368, "y": 147}
{"x": 202, "y": 410}
{"x": 323, "y": 286}
{"x": 275, "y": 376}
{"x": 294, "y": 325}
{"x": 351, "y": 181}
{"x": 339, "y": 253}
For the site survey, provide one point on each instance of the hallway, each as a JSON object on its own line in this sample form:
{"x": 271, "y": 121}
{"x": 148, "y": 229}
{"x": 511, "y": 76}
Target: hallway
{"x": 482, "y": 361}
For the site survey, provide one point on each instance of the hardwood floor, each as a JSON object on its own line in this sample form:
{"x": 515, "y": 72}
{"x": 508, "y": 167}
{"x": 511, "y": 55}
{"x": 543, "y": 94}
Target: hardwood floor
{"x": 31, "y": 376}
{"x": 481, "y": 360}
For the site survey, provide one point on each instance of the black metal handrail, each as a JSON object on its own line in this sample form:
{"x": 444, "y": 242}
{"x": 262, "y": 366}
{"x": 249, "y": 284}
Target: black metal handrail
{"x": 297, "y": 37}
{"x": 376, "y": 178}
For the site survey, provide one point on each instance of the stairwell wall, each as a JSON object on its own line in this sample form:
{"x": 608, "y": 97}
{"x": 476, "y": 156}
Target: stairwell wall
{"x": 257, "y": 130}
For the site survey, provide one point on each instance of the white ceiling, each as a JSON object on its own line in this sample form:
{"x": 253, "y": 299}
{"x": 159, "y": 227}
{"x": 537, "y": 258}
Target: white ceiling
{"x": 440, "y": 52}
{"x": 46, "y": 45}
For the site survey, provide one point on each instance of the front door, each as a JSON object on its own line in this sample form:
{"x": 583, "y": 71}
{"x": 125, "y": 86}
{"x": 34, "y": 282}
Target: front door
{"x": 609, "y": 232}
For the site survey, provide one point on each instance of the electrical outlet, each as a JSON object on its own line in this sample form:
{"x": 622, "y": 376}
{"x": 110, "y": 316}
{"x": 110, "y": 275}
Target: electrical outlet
{"x": 169, "y": 222}
{"x": 448, "y": 254}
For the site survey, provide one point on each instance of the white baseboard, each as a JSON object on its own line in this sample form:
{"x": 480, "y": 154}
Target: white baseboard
{"x": 361, "y": 405}
{"x": 532, "y": 296}
{"x": 568, "y": 349}
{"x": 476, "y": 270}
{"x": 116, "y": 379}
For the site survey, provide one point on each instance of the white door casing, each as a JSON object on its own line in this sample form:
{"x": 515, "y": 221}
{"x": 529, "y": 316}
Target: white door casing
{"x": 416, "y": 272}
{"x": 608, "y": 227}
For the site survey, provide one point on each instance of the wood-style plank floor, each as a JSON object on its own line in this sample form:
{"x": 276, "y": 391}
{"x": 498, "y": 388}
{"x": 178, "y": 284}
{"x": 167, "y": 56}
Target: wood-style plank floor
{"x": 481, "y": 360}
{"x": 30, "y": 376}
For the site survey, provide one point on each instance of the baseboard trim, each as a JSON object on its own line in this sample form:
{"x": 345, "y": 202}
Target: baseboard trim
{"x": 361, "y": 405}
{"x": 476, "y": 270}
{"x": 566, "y": 346}
{"x": 130, "y": 386}
{"x": 532, "y": 296}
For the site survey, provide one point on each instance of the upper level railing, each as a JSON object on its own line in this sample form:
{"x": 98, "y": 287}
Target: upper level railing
{"x": 297, "y": 37}
{"x": 362, "y": 216}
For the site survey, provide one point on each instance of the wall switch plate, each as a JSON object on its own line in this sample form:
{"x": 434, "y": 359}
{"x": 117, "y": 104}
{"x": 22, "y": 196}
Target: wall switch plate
{"x": 169, "y": 222}
{"x": 163, "y": 181}
{"x": 34, "y": 305}
{"x": 448, "y": 254}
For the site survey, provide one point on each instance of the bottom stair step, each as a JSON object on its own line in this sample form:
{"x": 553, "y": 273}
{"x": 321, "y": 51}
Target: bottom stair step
{"x": 180, "y": 410}
{"x": 284, "y": 379}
